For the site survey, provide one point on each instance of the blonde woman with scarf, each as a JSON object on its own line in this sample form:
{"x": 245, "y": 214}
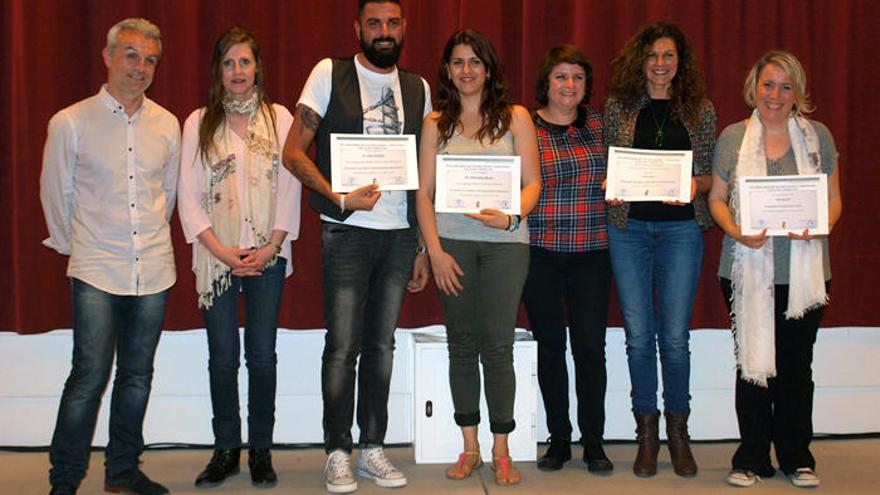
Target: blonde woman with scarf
{"x": 240, "y": 209}
{"x": 774, "y": 342}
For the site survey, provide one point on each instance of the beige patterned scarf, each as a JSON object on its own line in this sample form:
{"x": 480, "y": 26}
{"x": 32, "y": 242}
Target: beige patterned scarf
{"x": 221, "y": 202}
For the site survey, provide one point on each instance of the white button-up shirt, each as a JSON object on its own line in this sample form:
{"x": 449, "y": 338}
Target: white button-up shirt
{"x": 108, "y": 188}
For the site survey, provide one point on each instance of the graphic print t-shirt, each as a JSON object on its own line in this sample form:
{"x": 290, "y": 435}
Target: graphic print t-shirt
{"x": 383, "y": 114}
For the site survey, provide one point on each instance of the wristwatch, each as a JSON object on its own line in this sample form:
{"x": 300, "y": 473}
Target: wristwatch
{"x": 421, "y": 249}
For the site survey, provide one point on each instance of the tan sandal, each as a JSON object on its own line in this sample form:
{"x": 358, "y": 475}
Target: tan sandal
{"x": 467, "y": 463}
{"x": 505, "y": 472}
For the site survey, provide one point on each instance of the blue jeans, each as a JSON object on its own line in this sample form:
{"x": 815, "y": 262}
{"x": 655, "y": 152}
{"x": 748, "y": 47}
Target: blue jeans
{"x": 262, "y": 301}
{"x": 104, "y": 324}
{"x": 656, "y": 266}
{"x": 365, "y": 277}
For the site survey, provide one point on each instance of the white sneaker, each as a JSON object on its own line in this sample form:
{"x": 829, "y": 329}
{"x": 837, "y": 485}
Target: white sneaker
{"x": 374, "y": 465}
{"x": 805, "y": 478}
{"x": 337, "y": 473}
{"x": 742, "y": 478}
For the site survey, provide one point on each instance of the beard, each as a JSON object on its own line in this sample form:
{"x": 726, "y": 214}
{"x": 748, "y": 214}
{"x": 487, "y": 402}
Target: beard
{"x": 382, "y": 58}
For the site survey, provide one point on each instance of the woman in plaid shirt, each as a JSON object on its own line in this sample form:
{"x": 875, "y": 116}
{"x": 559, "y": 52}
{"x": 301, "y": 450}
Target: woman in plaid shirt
{"x": 569, "y": 264}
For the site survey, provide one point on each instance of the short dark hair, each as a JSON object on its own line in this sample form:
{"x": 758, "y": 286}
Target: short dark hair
{"x": 562, "y": 54}
{"x": 363, "y": 3}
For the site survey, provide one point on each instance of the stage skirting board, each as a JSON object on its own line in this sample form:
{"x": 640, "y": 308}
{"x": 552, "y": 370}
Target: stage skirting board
{"x": 33, "y": 369}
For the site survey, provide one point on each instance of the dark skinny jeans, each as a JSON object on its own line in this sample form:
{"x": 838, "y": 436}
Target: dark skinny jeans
{"x": 570, "y": 291}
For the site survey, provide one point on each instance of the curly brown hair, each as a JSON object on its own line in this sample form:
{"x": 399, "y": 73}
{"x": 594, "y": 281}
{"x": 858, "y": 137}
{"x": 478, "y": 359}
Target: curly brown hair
{"x": 496, "y": 103}
{"x": 628, "y": 78}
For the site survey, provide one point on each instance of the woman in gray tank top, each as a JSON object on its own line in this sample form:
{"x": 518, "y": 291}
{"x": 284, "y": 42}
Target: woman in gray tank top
{"x": 479, "y": 259}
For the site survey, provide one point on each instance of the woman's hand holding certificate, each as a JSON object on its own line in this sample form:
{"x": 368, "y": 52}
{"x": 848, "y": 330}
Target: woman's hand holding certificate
{"x": 491, "y": 217}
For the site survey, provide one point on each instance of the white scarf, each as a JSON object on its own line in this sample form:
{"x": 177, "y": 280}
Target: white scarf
{"x": 220, "y": 198}
{"x": 753, "y": 299}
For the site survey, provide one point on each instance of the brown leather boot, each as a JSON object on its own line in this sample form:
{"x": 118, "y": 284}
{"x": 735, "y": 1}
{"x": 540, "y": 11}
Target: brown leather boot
{"x": 648, "y": 436}
{"x": 683, "y": 462}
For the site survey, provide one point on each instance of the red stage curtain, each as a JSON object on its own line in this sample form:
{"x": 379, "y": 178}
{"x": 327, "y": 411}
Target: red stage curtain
{"x": 50, "y": 55}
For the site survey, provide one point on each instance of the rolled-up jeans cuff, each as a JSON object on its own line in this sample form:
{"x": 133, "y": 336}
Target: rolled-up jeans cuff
{"x": 502, "y": 428}
{"x": 467, "y": 419}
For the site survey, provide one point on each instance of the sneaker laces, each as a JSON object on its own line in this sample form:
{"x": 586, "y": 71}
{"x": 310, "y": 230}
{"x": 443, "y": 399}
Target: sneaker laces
{"x": 339, "y": 465}
{"x": 376, "y": 460}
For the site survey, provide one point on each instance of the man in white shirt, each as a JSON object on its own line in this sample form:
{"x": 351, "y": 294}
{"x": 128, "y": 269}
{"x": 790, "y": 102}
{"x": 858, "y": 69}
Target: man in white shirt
{"x": 369, "y": 238}
{"x": 108, "y": 187}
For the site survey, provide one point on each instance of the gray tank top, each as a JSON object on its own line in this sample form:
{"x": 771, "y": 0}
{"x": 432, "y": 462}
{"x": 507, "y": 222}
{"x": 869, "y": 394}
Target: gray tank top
{"x": 459, "y": 227}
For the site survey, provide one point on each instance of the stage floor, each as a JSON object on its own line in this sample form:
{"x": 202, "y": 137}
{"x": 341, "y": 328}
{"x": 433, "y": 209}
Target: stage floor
{"x": 850, "y": 466}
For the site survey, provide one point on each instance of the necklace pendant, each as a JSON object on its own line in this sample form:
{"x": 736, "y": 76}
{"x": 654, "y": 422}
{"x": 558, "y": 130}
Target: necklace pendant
{"x": 658, "y": 138}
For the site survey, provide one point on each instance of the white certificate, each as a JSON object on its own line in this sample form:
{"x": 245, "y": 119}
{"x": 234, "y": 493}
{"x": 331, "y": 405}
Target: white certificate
{"x": 649, "y": 175}
{"x": 470, "y": 183}
{"x": 360, "y": 159}
{"x": 783, "y": 204}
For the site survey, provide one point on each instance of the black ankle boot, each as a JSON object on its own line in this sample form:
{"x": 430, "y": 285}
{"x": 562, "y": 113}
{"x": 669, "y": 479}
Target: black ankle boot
{"x": 558, "y": 453}
{"x": 260, "y": 463}
{"x": 223, "y": 464}
{"x": 597, "y": 461}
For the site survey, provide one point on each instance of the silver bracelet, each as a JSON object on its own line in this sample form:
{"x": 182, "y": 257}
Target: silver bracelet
{"x": 342, "y": 203}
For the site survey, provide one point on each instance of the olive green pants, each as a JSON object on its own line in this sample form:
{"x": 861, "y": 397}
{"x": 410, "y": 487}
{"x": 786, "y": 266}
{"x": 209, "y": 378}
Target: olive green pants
{"x": 480, "y": 324}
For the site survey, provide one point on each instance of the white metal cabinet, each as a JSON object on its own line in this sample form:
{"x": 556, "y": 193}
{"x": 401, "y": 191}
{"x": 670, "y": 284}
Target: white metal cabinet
{"x": 437, "y": 438}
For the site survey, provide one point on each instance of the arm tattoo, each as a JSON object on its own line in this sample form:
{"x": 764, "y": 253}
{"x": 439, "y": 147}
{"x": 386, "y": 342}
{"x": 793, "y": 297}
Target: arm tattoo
{"x": 310, "y": 118}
